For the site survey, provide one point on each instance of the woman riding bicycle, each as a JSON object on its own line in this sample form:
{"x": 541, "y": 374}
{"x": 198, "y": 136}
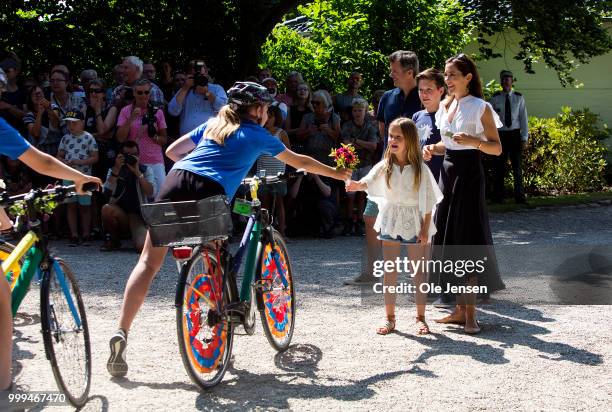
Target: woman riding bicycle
{"x": 211, "y": 160}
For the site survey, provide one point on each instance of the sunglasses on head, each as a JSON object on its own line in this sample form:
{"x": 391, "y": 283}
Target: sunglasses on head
{"x": 141, "y": 92}
{"x": 96, "y": 90}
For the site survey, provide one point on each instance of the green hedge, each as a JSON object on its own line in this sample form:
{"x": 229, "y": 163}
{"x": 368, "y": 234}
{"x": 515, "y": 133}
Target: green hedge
{"x": 565, "y": 154}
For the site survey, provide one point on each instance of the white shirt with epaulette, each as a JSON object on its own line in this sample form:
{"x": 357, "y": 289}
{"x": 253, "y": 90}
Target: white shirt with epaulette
{"x": 517, "y": 109}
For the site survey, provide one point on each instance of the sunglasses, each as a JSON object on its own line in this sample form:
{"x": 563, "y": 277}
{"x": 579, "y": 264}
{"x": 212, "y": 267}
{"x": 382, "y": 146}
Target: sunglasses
{"x": 317, "y": 103}
{"x": 141, "y": 92}
{"x": 96, "y": 90}
{"x": 56, "y": 80}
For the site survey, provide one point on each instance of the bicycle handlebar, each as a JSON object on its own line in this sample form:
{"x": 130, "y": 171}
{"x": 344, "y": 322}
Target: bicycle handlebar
{"x": 61, "y": 191}
{"x": 270, "y": 180}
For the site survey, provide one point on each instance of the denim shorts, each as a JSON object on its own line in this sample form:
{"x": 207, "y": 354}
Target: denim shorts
{"x": 397, "y": 239}
{"x": 371, "y": 209}
{"x": 83, "y": 200}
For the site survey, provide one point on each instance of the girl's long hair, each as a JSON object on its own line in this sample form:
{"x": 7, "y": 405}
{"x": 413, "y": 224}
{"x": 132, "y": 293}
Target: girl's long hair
{"x": 413, "y": 151}
{"x": 227, "y": 122}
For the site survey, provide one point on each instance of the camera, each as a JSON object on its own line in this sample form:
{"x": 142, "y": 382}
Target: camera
{"x": 149, "y": 120}
{"x": 200, "y": 80}
{"x": 130, "y": 159}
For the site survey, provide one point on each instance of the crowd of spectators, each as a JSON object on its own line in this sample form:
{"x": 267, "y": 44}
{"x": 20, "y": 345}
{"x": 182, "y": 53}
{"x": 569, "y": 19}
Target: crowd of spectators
{"x": 118, "y": 131}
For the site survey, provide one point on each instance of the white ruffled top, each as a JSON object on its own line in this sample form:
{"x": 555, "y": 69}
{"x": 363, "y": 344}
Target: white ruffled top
{"x": 467, "y": 119}
{"x": 401, "y": 209}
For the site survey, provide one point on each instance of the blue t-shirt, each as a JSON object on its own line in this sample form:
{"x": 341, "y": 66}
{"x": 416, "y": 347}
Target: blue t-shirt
{"x": 12, "y": 144}
{"x": 424, "y": 118}
{"x": 394, "y": 104}
{"x": 230, "y": 163}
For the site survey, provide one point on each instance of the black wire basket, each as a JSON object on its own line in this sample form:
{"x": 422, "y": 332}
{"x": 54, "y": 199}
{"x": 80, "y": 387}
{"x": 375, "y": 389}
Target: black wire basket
{"x": 192, "y": 222}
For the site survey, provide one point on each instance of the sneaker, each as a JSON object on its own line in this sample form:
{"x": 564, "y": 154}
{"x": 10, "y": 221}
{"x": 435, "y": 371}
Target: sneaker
{"x": 116, "y": 365}
{"x": 74, "y": 242}
{"x": 439, "y": 303}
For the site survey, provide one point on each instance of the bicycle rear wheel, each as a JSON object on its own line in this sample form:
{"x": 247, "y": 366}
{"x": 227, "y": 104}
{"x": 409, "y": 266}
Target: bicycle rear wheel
{"x": 205, "y": 333}
{"x": 276, "y": 294}
{"x": 65, "y": 332}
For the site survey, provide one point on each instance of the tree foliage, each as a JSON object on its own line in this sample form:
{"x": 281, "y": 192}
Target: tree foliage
{"x": 560, "y": 33}
{"x": 358, "y": 35}
{"x": 97, "y": 33}
{"x": 230, "y": 33}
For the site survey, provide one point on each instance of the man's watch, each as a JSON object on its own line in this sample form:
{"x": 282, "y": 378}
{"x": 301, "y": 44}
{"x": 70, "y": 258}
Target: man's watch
{"x": 141, "y": 175}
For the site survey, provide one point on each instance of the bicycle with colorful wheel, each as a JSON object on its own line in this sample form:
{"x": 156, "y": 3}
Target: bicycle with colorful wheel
{"x": 208, "y": 303}
{"x": 62, "y": 312}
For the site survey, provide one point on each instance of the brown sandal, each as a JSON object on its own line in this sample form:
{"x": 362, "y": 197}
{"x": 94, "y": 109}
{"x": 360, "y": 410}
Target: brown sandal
{"x": 389, "y": 326}
{"x": 422, "y": 326}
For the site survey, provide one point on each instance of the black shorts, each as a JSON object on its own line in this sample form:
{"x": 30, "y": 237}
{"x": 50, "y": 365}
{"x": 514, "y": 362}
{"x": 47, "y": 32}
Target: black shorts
{"x": 181, "y": 185}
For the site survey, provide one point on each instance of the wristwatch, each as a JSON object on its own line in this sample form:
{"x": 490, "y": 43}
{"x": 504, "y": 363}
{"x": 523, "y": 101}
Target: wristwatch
{"x": 141, "y": 176}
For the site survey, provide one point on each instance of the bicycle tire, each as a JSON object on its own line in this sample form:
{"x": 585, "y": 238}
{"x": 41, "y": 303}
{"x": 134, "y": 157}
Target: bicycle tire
{"x": 58, "y": 328}
{"x": 205, "y": 343}
{"x": 276, "y": 303}
{"x": 5, "y": 250}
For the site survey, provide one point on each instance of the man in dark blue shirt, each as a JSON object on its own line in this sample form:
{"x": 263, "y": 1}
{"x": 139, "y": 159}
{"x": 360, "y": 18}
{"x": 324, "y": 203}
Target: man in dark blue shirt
{"x": 403, "y": 101}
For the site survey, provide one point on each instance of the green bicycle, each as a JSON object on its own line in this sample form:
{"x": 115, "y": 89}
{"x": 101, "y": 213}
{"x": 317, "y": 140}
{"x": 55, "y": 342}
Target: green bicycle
{"x": 208, "y": 303}
{"x": 62, "y": 312}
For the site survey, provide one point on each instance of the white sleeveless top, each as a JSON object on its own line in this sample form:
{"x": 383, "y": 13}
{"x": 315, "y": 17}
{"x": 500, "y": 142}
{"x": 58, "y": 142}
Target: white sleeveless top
{"x": 467, "y": 120}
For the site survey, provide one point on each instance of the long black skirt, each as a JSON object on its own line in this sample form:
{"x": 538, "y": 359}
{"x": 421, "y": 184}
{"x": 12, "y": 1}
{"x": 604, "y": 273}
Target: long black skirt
{"x": 462, "y": 222}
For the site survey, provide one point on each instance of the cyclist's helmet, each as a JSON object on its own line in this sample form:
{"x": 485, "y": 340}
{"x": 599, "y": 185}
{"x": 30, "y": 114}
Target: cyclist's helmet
{"x": 3, "y": 80}
{"x": 243, "y": 94}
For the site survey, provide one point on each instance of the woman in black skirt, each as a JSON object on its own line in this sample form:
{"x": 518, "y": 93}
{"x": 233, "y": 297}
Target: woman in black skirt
{"x": 468, "y": 126}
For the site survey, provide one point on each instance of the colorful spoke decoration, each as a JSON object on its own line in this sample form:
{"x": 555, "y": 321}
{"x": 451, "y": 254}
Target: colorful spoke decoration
{"x": 277, "y": 294}
{"x": 205, "y": 344}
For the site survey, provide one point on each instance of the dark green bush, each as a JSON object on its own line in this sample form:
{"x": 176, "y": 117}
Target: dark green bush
{"x": 565, "y": 154}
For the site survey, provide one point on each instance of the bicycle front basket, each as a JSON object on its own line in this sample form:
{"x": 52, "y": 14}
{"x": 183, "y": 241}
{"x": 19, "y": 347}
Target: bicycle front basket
{"x": 188, "y": 223}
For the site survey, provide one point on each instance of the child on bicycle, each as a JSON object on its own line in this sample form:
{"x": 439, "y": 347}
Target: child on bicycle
{"x": 406, "y": 193}
{"x": 13, "y": 145}
{"x": 212, "y": 159}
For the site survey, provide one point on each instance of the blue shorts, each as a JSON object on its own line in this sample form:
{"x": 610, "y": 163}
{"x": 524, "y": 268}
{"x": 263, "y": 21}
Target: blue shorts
{"x": 84, "y": 200}
{"x": 397, "y": 239}
{"x": 371, "y": 209}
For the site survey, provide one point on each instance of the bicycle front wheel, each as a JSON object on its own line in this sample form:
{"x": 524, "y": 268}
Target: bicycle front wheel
{"x": 65, "y": 332}
{"x": 276, "y": 294}
{"x": 205, "y": 334}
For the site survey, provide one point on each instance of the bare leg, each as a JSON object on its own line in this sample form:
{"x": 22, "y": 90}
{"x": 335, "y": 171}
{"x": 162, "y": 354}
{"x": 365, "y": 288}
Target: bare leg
{"x": 471, "y": 323}
{"x": 72, "y": 219}
{"x": 6, "y": 333}
{"x": 139, "y": 282}
{"x": 391, "y": 250}
{"x": 415, "y": 254}
{"x": 85, "y": 212}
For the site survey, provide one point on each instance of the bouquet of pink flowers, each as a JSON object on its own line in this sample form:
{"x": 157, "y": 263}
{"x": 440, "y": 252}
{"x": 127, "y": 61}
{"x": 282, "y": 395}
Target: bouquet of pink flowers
{"x": 345, "y": 157}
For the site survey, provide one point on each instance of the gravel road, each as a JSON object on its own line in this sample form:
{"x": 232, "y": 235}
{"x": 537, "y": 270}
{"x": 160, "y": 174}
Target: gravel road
{"x": 528, "y": 356}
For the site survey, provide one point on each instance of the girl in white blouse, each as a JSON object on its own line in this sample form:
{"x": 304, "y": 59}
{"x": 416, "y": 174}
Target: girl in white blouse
{"x": 406, "y": 193}
{"x": 468, "y": 126}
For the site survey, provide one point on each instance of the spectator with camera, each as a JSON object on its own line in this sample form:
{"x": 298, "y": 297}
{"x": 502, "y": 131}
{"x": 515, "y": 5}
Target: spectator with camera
{"x": 128, "y": 184}
{"x": 144, "y": 123}
{"x": 132, "y": 70}
{"x": 196, "y": 101}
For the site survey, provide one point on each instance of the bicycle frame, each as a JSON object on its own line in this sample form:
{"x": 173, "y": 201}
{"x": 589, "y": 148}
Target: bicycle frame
{"x": 29, "y": 246}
